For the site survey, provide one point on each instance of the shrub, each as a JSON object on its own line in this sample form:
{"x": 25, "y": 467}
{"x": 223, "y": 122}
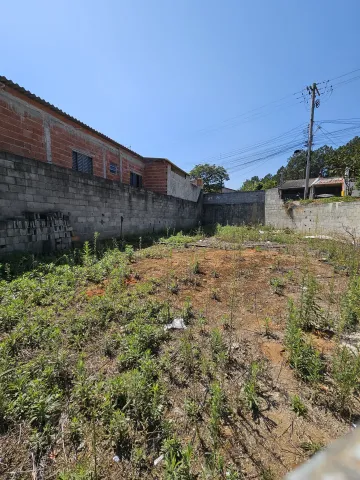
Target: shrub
{"x": 177, "y": 460}
{"x": 218, "y": 347}
{"x": 310, "y": 313}
{"x": 346, "y": 373}
{"x": 218, "y": 410}
{"x": 303, "y": 357}
{"x": 141, "y": 393}
{"x": 298, "y": 406}
{"x": 277, "y": 284}
{"x": 187, "y": 312}
{"x": 195, "y": 268}
{"x": 120, "y": 434}
{"x": 192, "y": 409}
{"x": 311, "y": 447}
{"x": 251, "y": 387}
{"x": 189, "y": 353}
{"x": 350, "y": 311}
{"x": 141, "y": 338}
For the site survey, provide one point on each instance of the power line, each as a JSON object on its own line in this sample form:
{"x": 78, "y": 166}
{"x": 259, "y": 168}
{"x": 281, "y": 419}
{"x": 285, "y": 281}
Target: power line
{"x": 249, "y": 148}
{"x": 339, "y": 76}
{"x": 325, "y": 132}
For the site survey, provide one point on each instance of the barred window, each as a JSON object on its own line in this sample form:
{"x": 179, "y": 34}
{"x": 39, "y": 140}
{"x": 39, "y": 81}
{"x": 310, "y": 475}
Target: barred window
{"x": 82, "y": 163}
{"x": 113, "y": 168}
{"x": 135, "y": 180}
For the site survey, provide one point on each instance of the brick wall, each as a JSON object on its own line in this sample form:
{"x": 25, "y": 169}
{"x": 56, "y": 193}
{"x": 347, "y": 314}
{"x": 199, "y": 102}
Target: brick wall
{"x": 82, "y": 204}
{"x": 156, "y": 176}
{"x": 31, "y": 129}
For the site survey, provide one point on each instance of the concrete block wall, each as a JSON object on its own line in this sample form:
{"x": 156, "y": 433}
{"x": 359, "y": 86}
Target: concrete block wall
{"x": 43, "y": 232}
{"x": 181, "y": 186}
{"x": 236, "y": 208}
{"x": 88, "y": 204}
{"x": 313, "y": 218}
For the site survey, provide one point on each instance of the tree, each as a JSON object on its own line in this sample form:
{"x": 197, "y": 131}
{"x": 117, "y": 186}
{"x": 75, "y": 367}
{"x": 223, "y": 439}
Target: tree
{"x": 296, "y": 165}
{"x": 213, "y": 176}
{"x": 256, "y": 183}
{"x": 325, "y": 161}
{"x": 346, "y": 156}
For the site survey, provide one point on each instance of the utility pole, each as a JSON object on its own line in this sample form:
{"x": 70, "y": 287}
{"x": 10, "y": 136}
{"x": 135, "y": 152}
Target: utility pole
{"x": 313, "y": 90}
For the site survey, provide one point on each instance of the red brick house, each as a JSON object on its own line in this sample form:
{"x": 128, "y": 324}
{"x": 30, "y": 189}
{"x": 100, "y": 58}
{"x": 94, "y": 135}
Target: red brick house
{"x": 34, "y": 128}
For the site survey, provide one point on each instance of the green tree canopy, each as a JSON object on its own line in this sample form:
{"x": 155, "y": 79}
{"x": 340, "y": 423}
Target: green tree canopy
{"x": 327, "y": 161}
{"x": 256, "y": 183}
{"x": 213, "y": 176}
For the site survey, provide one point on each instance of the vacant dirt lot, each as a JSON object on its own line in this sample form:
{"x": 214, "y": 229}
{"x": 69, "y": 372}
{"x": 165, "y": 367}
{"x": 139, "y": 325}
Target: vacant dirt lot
{"x": 94, "y": 385}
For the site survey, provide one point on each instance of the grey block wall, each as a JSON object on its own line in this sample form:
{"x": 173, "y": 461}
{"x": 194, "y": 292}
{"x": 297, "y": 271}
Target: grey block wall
{"x": 88, "y": 204}
{"x": 313, "y": 218}
{"x": 234, "y": 208}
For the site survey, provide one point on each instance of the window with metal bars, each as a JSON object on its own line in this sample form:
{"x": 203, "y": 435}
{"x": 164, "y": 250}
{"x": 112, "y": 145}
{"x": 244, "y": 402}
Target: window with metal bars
{"x": 82, "y": 163}
{"x": 135, "y": 180}
{"x": 113, "y": 168}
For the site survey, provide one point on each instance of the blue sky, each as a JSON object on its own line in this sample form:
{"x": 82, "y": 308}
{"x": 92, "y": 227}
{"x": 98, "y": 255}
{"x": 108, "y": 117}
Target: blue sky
{"x": 165, "y": 76}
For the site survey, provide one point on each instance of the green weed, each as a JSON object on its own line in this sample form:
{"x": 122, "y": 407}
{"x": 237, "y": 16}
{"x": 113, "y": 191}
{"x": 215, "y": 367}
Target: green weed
{"x": 251, "y": 387}
{"x": 219, "y": 350}
{"x": 303, "y": 357}
{"x": 277, "y": 285}
{"x": 218, "y": 410}
{"x": 311, "y": 447}
{"x": 345, "y": 373}
{"x": 298, "y": 406}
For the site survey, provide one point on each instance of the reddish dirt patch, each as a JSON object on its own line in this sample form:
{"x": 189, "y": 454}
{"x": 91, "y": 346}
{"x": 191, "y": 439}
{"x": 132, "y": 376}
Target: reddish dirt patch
{"x": 130, "y": 281}
{"x": 95, "y": 292}
{"x": 274, "y": 352}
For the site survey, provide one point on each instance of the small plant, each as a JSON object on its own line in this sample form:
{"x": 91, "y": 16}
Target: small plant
{"x": 174, "y": 287}
{"x": 350, "y": 312}
{"x": 87, "y": 254}
{"x": 311, "y": 447}
{"x": 232, "y": 473}
{"x": 193, "y": 409}
{"x": 215, "y": 464}
{"x": 189, "y": 353}
{"x": 177, "y": 460}
{"x": 309, "y": 313}
{"x": 75, "y": 432}
{"x": 268, "y": 330}
{"x": 226, "y": 322}
{"x": 303, "y": 357}
{"x": 96, "y": 252}
{"x": 267, "y": 474}
{"x": 215, "y": 295}
{"x": 218, "y": 347}
{"x": 298, "y": 406}
{"x": 214, "y": 274}
{"x": 346, "y": 373}
{"x": 251, "y": 388}
{"x": 290, "y": 275}
{"x": 195, "y": 268}
{"x": 187, "y": 312}
{"x": 277, "y": 285}
{"x": 202, "y": 322}
{"x": 119, "y": 433}
{"x": 129, "y": 252}
{"x": 218, "y": 410}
